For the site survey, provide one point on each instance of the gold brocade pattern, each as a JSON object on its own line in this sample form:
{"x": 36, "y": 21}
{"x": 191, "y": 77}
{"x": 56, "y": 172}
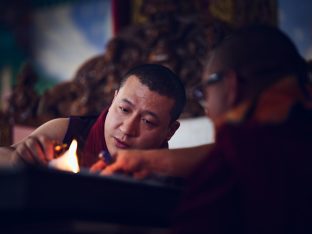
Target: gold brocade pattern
{"x": 223, "y": 10}
{"x": 239, "y": 13}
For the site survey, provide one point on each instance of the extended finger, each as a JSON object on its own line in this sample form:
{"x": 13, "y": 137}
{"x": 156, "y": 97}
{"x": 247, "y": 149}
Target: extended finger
{"x": 99, "y": 165}
{"x": 47, "y": 147}
{"x": 22, "y": 154}
{"x": 141, "y": 174}
{"x": 113, "y": 168}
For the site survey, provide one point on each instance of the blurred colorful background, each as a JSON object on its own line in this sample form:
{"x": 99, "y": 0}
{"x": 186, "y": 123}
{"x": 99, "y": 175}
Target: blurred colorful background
{"x": 66, "y": 57}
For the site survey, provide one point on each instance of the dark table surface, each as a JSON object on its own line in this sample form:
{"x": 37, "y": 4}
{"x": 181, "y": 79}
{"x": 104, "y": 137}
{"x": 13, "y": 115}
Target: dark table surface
{"x": 36, "y": 199}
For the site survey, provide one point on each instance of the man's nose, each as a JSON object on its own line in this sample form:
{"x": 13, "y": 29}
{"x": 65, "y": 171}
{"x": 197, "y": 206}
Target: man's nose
{"x": 130, "y": 126}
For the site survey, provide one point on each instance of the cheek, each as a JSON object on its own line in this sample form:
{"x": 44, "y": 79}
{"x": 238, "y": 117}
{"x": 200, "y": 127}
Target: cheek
{"x": 112, "y": 120}
{"x": 151, "y": 139}
{"x": 216, "y": 103}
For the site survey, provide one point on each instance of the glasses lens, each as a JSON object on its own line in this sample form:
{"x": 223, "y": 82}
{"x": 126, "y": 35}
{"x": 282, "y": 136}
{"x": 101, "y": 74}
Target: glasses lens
{"x": 213, "y": 78}
{"x": 198, "y": 93}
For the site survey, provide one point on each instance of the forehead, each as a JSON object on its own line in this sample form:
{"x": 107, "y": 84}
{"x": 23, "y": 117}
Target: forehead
{"x": 212, "y": 65}
{"x": 143, "y": 98}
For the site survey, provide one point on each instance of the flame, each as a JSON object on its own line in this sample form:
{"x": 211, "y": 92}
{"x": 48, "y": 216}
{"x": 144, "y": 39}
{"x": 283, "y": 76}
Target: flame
{"x": 68, "y": 161}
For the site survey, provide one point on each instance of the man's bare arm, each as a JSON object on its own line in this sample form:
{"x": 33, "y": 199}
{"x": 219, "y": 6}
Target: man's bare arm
{"x": 181, "y": 161}
{"x": 38, "y": 145}
{"x": 53, "y": 129}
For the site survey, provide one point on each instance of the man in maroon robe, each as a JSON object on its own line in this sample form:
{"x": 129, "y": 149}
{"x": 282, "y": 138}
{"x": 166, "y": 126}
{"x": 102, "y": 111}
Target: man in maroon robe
{"x": 143, "y": 115}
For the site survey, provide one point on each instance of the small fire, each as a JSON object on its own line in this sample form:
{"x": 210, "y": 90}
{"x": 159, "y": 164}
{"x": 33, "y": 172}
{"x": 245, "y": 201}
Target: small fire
{"x": 68, "y": 161}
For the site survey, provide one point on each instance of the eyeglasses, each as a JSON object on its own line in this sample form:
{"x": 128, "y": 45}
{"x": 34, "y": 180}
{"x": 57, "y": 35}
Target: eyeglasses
{"x": 198, "y": 91}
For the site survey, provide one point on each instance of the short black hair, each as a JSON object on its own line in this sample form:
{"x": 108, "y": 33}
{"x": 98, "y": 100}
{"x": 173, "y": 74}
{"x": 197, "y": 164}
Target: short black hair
{"x": 263, "y": 50}
{"x": 162, "y": 80}
{"x": 263, "y": 44}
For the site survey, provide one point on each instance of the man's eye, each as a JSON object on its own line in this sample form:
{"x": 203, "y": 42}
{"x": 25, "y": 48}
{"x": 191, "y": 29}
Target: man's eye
{"x": 147, "y": 122}
{"x": 123, "y": 109}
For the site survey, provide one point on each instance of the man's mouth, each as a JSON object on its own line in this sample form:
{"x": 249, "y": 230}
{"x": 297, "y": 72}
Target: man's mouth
{"x": 121, "y": 144}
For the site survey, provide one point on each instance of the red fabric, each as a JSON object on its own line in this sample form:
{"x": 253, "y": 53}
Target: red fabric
{"x": 258, "y": 177}
{"x": 116, "y": 23}
{"x": 95, "y": 142}
{"x": 121, "y": 14}
{"x": 259, "y": 184}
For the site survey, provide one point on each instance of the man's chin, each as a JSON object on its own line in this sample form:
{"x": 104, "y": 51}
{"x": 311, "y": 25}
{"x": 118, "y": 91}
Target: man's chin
{"x": 113, "y": 150}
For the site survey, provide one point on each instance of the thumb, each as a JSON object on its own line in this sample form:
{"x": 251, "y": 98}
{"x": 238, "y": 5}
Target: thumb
{"x": 115, "y": 167}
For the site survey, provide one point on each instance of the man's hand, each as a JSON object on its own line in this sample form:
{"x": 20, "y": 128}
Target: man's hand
{"x": 130, "y": 162}
{"x": 37, "y": 150}
{"x": 142, "y": 163}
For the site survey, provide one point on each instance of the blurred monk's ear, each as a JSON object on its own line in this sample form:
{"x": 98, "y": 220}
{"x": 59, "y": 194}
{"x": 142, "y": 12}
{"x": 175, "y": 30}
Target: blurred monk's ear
{"x": 116, "y": 92}
{"x": 115, "y": 95}
{"x": 172, "y": 129}
{"x": 232, "y": 86}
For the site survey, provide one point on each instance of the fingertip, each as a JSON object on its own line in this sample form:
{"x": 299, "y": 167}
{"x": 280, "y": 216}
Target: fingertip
{"x": 105, "y": 172}
{"x": 93, "y": 169}
{"x": 97, "y": 166}
{"x": 100, "y": 163}
{"x": 140, "y": 175}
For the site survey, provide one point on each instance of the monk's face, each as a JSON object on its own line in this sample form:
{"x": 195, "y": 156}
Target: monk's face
{"x": 219, "y": 90}
{"x": 138, "y": 118}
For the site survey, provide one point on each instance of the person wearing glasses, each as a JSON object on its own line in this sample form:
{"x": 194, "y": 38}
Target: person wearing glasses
{"x": 257, "y": 178}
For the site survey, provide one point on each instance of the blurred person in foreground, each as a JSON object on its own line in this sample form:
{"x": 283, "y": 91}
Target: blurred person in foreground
{"x": 143, "y": 115}
{"x": 257, "y": 176}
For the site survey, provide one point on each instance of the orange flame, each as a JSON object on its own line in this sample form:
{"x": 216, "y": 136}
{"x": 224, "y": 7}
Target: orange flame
{"x": 68, "y": 161}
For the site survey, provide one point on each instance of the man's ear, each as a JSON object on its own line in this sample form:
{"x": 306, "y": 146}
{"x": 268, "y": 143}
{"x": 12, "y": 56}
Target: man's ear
{"x": 172, "y": 129}
{"x": 116, "y": 92}
{"x": 115, "y": 95}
